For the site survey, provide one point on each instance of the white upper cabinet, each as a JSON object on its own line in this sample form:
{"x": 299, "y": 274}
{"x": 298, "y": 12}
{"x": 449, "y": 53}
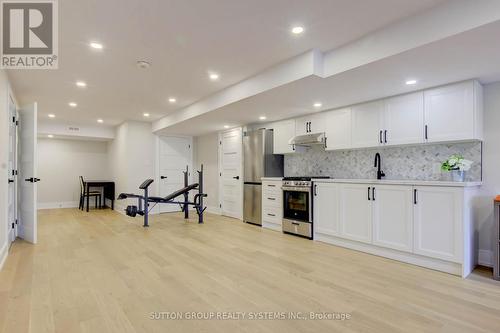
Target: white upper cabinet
{"x": 393, "y": 217}
{"x": 404, "y": 119}
{"x": 326, "y": 208}
{"x": 438, "y": 218}
{"x": 367, "y": 121}
{"x": 314, "y": 123}
{"x": 283, "y": 132}
{"x": 338, "y": 129}
{"x": 454, "y": 112}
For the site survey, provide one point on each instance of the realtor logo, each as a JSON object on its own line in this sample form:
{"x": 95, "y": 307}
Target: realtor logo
{"x": 29, "y": 34}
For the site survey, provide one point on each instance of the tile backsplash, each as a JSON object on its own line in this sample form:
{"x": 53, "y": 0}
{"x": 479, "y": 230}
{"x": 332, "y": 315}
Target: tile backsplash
{"x": 421, "y": 162}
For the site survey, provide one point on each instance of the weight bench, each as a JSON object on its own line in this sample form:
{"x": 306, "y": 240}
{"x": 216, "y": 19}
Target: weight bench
{"x": 143, "y": 201}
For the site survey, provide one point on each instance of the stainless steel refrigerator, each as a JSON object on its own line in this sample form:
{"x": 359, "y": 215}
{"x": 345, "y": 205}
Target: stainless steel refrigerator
{"x": 259, "y": 161}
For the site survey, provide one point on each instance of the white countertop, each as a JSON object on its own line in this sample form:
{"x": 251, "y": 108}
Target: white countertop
{"x": 400, "y": 182}
{"x": 276, "y": 179}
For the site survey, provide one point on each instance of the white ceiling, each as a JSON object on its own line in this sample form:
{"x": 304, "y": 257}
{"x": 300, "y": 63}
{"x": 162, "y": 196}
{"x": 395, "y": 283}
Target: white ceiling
{"x": 472, "y": 54}
{"x": 184, "y": 39}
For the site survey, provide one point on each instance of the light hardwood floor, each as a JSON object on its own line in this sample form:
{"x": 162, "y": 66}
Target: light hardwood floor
{"x": 102, "y": 272}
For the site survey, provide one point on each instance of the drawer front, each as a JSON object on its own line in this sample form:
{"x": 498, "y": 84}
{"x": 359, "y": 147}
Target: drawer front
{"x": 271, "y": 187}
{"x": 271, "y": 200}
{"x": 272, "y": 214}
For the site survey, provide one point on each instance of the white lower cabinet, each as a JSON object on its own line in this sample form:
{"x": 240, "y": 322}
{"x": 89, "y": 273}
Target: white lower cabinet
{"x": 356, "y": 212}
{"x": 326, "y": 208}
{"x": 393, "y": 217}
{"x": 426, "y": 225}
{"x": 438, "y": 216}
{"x": 272, "y": 204}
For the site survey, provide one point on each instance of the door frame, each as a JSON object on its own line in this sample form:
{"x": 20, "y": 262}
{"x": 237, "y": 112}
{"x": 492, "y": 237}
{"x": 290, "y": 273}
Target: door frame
{"x": 219, "y": 162}
{"x": 12, "y": 233}
{"x": 157, "y": 140}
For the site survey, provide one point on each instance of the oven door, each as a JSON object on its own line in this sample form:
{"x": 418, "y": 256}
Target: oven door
{"x": 297, "y": 204}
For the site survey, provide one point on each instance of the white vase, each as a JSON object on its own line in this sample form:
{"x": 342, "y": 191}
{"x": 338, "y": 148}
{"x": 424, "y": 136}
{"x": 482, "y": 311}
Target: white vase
{"x": 458, "y": 175}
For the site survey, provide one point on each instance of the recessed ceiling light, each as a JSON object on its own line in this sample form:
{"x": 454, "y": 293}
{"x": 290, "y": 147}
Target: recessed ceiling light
{"x": 213, "y": 76}
{"x": 317, "y": 105}
{"x": 73, "y": 104}
{"x": 226, "y": 126}
{"x": 95, "y": 45}
{"x": 297, "y": 30}
{"x": 172, "y": 100}
{"x": 143, "y": 64}
{"x": 50, "y": 136}
{"x": 411, "y": 82}
{"x": 100, "y": 121}
{"x": 81, "y": 84}
{"x": 52, "y": 115}
{"x": 145, "y": 114}
{"x": 262, "y": 117}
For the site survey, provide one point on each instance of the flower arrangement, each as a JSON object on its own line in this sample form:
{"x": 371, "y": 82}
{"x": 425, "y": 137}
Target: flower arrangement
{"x": 456, "y": 162}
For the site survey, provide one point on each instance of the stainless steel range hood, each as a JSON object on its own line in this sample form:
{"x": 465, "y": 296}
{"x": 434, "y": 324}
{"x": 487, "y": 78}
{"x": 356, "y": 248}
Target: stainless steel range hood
{"x": 308, "y": 140}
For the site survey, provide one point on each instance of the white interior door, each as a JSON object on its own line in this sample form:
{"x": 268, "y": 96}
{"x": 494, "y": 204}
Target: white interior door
{"x": 175, "y": 153}
{"x": 12, "y": 208}
{"x": 231, "y": 177}
{"x": 27, "y": 173}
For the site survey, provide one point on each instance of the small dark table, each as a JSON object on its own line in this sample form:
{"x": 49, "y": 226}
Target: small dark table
{"x": 109, "y": 190}
{"x": 496, "y": 244}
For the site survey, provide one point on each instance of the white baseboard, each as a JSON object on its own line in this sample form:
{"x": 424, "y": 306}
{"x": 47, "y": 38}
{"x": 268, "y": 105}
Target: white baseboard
{"x": 213, "y": 210}
{"x": 3, "y": 255}
{"x": 485, "y": 258}
{"x": 55, "y": 205}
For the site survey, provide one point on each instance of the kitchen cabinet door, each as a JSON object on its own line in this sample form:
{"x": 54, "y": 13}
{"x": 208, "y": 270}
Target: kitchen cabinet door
{"x": 393, "y": 217}
{"x": 356, "y": 212}
{"x": 449, "y": 112}
{"x": 338, "y": 129}
{"x": 283, "y": 131}
{"x": 367, "y": 122}
{"x": 404, "y": 119}
{"x": 438, "y": 216}
{"x": 326, "y": 208}
{"x": 314, "y": 123}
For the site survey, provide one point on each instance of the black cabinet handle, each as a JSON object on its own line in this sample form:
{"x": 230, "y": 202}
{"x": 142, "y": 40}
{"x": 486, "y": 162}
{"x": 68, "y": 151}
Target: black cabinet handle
{"x": 271, "y": 185}
{"x": 380, "y": 136}
{"x": 369, "y": 194}
{"x": 307, "y": 128}
{"x": 11, "y": 181}
{"x": 385, "y": 136}
{"x": 373, "y": 193}
{"x": 315, "y": 190}
{"x": 163, "y": 177}
{"x": 293, "y": 147}
{"x": 426, "y": 133}
{"x": 37, "y": 180}
{"x": 415, "y": 196}
{"x": 272, "y": 199}
{"x": 295, "y": 223}
{"x": 31, "y": 180}
{"x": 326, "y": 145}
{"x": 269, "y": 214}
{"x": 236, "y": 177}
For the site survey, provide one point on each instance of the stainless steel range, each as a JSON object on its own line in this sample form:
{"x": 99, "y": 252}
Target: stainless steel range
{"x": 297, "y": 206}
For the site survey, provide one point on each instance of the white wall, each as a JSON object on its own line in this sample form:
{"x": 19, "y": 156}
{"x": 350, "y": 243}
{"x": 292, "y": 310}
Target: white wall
{"x": 131, "y": 158}
{"x": 61, "y": 162}
{"x": 491, "y": 173}
{"x": 206, "y": 153}
{"x": 4, "y": 162}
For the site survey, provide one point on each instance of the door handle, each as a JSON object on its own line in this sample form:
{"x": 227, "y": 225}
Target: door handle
{"x": 163, "y": 177}
{"x": 237, "y": 177}
{"x": 369, "y": 194}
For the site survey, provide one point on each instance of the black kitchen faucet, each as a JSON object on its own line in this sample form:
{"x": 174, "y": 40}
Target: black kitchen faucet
{"x": 378, "y": 165}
